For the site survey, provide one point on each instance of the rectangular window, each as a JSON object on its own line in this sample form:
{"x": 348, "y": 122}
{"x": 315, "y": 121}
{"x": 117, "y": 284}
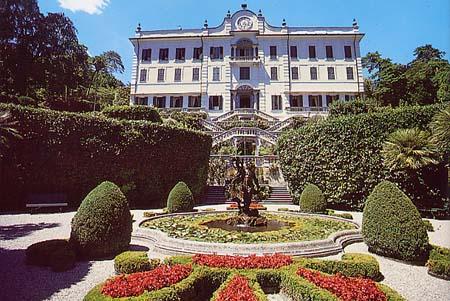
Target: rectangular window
{"x": 216, "y": 53}
{"x": 195, "y": 74}
{"x": 164, "y": 54}
{"x": 143, "y": 76}
{"x": 294, "y": 73}
{"x": 312, "y": 52}
{"x": 176, "y": 101}
{"x": 276, "y": 102}
{"x": 296, "y": 101}
{"x": 294, "y": 52}
{"x": 194, "y": 102}
{"x": 313, "y": 73}
{"x": 146, "y": 55}
{"x": 215, "y": 103}
{"x": 329, "y": 52}
{"x": 198, "y": 52}
{"x": 331, "y": 99}
{"x": 273, "y": 73}
{"x": 273, "y": 52}
{"x": 143, "y": 101}
{"x": 349, "y": 97}
{"x": 348, "y": 52}
{"x": 216, "y": 74}
{"x": 180, "y": 54}
{"x": 315, "y": 101}
{"x": 244, "y": 73}
{"x": 160, "y": 75}
{"x": 159, "y": 101}
{"x": 350, "y": 73}
{"x": 331, "y": 74}
{"x": 177, "y": 74}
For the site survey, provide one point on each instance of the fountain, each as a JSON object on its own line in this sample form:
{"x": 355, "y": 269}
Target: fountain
{"x": 243, "y": 187}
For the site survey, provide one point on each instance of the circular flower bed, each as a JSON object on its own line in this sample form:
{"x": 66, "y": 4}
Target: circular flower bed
{"x": 302, "y": 228}
{"x": 217, "y": 278}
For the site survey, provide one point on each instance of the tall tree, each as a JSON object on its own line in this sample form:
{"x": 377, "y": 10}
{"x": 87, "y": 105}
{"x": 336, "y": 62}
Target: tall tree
{"x": 388, "y": 79}
{"x": 108, "y": 62}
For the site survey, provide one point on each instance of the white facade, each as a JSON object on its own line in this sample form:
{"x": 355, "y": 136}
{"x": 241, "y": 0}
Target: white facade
{"x": 250, "y": 52}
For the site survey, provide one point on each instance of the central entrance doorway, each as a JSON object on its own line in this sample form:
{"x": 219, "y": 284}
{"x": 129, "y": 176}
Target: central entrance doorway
{"x": 245, "y": 101}
{"x": 245, "y": 97}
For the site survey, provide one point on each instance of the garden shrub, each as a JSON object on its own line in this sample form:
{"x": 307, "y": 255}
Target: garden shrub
{"x": 188, "y": 120}
{"x": 180, "y": 199}
{"x": 134, "y": 261}
{"x": 353, "y": 107}
{"x": 73, "y": 151}
{"x": 27, "y": 101}
{"x": 343, "y": 155}
{"x": 102, "y": 225}
{"x": 133, "y": 113}
{"x": 428, "y": 225}
{"x": 350, "y": 265}
{"x": 392, "y": 226}
{"x": 345, "y": 215}
{"x": 312, "y": 199}
{"x": 56, "y": 253}
{"x": 439, "y": 262}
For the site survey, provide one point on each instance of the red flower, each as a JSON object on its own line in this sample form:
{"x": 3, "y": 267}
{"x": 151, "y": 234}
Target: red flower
{"x": 237, "y": 290}
{"x": 346, "y": 288}
{"x": 135, "y": 284}
{"x": 243, "y": 262}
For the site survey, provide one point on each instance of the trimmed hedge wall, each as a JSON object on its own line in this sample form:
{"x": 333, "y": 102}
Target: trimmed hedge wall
{"x": 132, "y": 113}
{"x": 72, "y": 153}
{"x": 342, "y": 155}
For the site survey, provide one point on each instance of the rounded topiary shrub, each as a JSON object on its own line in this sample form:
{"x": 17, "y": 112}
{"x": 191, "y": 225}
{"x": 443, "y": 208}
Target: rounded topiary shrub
{"x": 392, "y": 225}
{"x": 134, "y": 261}
{"x": 102, "y": 225}
{"x": 180, "y": 199}
{"x": 56, "y": 253}
{"x": 312, "y": 199}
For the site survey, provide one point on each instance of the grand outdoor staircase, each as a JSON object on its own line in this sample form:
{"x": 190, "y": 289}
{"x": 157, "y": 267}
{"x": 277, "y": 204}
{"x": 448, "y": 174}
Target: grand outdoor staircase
{"x": 215, "y": 195}
{"x": 280, "y": 195}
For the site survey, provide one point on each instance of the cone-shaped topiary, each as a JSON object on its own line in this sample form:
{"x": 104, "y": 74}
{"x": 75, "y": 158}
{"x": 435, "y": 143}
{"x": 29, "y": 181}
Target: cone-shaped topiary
{"x": 312, "y": 199}
{"x": 392, "y": 225}
{"x": 180, "y": 199}
{"x": 102, "y": 225}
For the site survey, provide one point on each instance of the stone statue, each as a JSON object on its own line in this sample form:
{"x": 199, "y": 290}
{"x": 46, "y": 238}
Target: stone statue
{"x": 243, "y": 187}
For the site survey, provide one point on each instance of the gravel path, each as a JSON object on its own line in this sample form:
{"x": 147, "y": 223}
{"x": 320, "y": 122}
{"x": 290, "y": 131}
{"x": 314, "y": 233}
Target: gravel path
{"x": 21, "y": 282}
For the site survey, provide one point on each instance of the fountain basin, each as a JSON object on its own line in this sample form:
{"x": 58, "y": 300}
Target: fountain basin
{"x": 332, "y": 244}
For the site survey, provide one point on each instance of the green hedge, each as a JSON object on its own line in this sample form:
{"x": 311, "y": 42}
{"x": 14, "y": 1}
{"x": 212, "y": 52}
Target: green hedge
{"x": 134, "y": 261}
{"x": 342, "y": 155}
{"x": 350, "y": 265}
{"x": 439, "y": 262}
{"x": 353, "y": 107}
{"x": 56, "y": 253}
{"x": 204, "y": 283}
{"x": 132, "y": 113}
{"x": 72, "y": 153}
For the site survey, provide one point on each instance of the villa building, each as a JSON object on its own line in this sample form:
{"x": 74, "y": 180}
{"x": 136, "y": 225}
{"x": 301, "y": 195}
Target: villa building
{"x": 246, "y": 63}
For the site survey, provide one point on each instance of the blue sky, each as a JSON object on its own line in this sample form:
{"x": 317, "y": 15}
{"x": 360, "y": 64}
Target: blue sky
{"x": 394, "y": 28}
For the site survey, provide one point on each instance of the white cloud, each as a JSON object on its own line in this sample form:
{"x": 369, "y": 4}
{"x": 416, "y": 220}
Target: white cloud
{"x": 88, "y": 6}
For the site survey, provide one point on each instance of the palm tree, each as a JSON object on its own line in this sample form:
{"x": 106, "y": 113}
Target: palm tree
{"x": 7, "y": 130}
{"x": 409, "y": 149}
{"x": 107, "y": 62}
{"x": 440, "y": 127}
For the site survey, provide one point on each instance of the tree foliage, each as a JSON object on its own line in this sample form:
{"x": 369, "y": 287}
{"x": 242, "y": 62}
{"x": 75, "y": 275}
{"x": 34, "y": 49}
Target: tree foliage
{"x": 425, "y": 80}
{"x": 42, "y": 57}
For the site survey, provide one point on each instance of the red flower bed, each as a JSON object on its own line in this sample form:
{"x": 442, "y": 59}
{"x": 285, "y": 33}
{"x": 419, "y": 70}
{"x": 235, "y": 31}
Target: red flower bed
{"x": 135, "y": 284}
{"x": 243, "y": 262}
{"x": 237, "y": 290}
{"x": 346, "y": 288}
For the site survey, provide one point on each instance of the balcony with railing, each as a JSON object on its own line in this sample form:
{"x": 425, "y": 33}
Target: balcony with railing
{"x": 255, "y": 59}
{"x": 323, "y": 110}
